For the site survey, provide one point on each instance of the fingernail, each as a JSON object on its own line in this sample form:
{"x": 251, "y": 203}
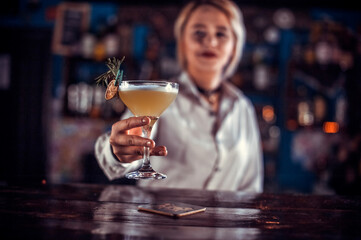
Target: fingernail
{"x": 144, "y": 120}
{"x": 149, "y": 144}
{"x": 161, "y": 153}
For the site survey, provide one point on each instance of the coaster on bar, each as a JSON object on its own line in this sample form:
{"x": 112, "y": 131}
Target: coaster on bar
{"x": 174, "y": 209}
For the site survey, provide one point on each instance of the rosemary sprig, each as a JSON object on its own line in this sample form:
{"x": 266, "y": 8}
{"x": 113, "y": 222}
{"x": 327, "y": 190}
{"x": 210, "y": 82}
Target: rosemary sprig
{"x": 114, "y": 65}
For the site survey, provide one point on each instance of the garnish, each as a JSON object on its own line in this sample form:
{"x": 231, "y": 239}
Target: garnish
{"x": 111, "y": 91}
{"x": 113, "y": 73}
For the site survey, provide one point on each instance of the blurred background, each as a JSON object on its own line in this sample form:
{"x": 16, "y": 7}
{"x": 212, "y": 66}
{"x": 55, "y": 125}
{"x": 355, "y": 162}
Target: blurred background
{"x": 301, "y": 69}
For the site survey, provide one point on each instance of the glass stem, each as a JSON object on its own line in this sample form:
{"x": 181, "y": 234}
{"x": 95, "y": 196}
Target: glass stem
{"x": 146, "y": 130}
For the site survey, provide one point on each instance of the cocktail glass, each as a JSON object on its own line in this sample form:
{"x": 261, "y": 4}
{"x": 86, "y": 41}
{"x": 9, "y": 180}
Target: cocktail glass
{"x": 147, "y": 98}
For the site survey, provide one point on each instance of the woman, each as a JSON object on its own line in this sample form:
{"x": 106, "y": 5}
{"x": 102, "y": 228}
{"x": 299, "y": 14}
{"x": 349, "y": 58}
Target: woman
{"x": 208, "y": 138}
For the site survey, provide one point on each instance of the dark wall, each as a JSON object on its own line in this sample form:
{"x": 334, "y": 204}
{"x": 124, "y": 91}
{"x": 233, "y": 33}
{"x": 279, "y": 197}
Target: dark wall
{"x": 24, "y": 105}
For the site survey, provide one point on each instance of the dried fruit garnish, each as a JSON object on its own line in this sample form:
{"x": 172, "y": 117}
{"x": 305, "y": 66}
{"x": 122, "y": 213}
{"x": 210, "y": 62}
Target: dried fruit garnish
{"x": 111, "y": 91}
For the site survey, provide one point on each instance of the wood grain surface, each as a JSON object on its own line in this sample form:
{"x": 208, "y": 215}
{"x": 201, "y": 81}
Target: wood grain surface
{"x": 81, "y": 211}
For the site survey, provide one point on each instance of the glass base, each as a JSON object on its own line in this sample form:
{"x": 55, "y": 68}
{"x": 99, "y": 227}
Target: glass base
{"x": 148, "y": 174}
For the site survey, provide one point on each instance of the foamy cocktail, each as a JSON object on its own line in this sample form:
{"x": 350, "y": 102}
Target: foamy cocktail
{"x": 151, "y": 99}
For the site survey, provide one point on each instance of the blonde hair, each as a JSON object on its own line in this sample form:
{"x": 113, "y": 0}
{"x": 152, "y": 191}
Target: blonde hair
{"x": 231, "y": 10}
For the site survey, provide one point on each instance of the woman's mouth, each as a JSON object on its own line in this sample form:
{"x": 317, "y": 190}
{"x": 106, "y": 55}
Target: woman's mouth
{"x": 208, "y": 54}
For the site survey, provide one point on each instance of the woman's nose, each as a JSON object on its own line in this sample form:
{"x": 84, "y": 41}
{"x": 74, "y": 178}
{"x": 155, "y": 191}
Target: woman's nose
{"x": 210, "y": 41}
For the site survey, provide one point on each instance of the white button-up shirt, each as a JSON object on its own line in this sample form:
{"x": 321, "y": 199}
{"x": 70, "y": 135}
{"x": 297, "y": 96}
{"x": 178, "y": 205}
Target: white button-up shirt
{"x": 205, "y": 150}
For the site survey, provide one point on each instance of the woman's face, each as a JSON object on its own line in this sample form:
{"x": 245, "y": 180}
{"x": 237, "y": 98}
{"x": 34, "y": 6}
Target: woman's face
{"x": 208, "y": 40}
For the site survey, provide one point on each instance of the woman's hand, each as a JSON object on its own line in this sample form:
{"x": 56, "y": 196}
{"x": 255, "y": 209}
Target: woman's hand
{"x": 127, "y": 143}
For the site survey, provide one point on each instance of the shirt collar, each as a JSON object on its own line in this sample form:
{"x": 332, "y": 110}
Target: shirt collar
{"x": 187, "y": 86}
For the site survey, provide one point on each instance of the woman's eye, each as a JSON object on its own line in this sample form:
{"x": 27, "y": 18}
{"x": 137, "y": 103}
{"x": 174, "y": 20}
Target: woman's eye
{"x": 221, "y": 35}
{"x": 200, "y": 34}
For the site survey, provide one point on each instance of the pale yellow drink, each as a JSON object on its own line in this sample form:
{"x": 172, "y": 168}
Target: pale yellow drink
{"x": 147, "y": 98}
{"x": 147, "y": 101}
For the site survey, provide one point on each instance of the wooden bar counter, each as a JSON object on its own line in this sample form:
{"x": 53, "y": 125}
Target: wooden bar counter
{"x": 82, "y": 211}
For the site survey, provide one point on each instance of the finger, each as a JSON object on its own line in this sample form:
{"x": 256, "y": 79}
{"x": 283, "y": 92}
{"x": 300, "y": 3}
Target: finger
{"x": 131, "y": 140}
{"x": 132, "y": 154}
{"x": 136, "y": 153}
{"x": 159, "y": 151}
{"x": 135, "y": 150}
{"x": 131, "y": 150}
{"x": 129, "y": 123}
